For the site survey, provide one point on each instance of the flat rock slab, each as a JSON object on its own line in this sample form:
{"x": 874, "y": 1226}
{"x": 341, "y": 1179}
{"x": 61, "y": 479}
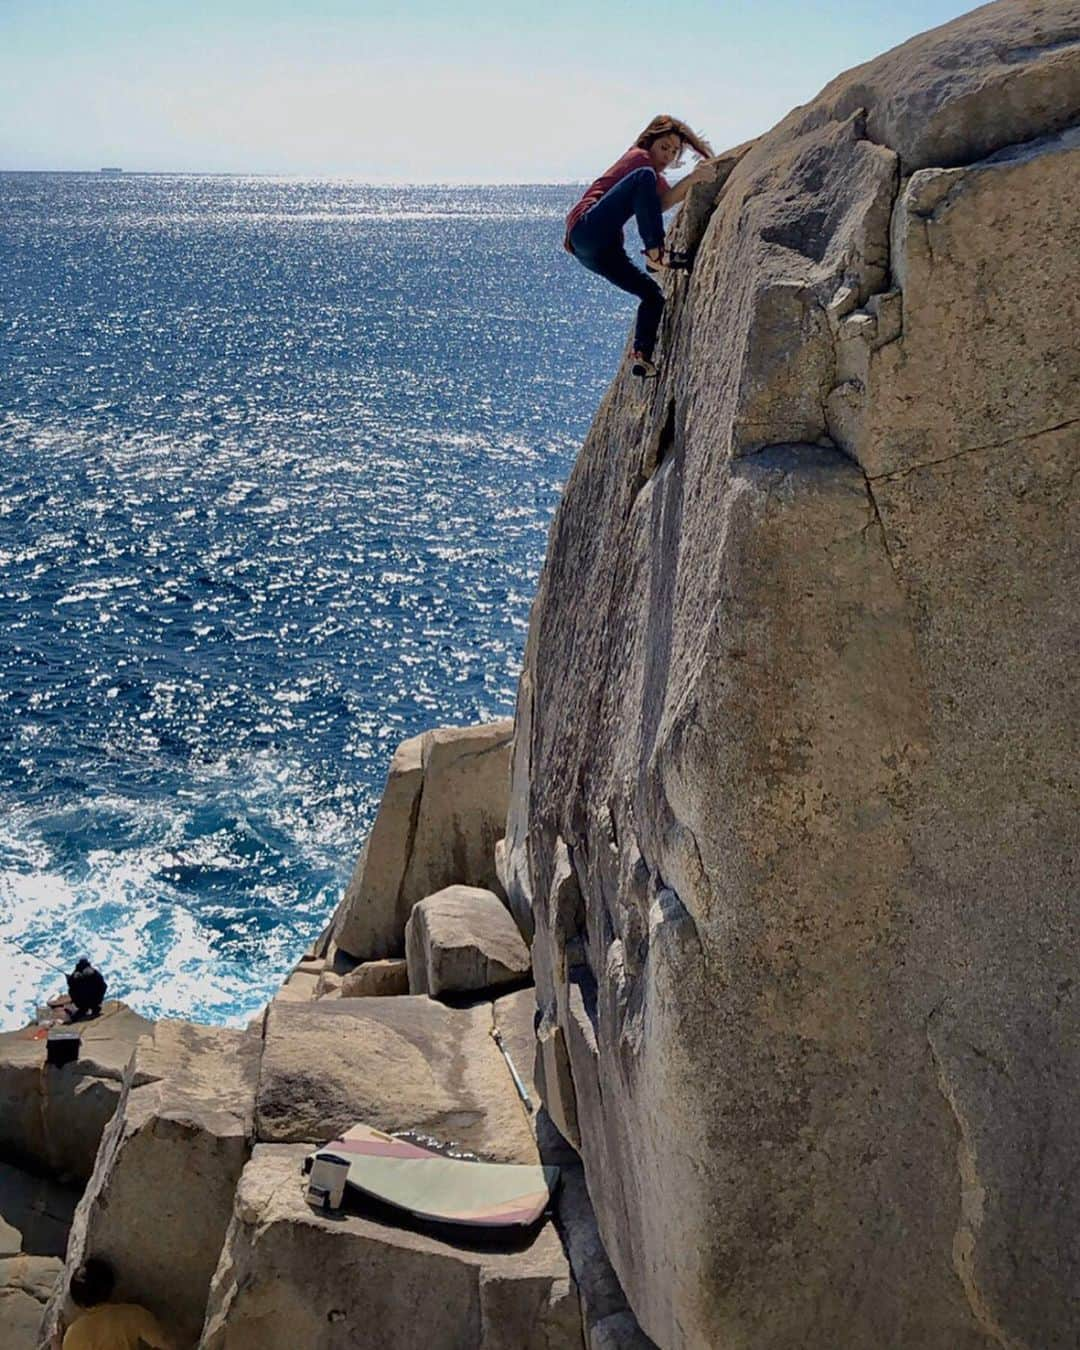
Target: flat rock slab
{"x": 301, "y": 987}
{"x": 290, "y": 1277}
{"x": 375, "y": 979}
{"x": 53, "y": 1119}
{"x": 398, "y": 1064}
{"x": 462, "y": 939}
{"x": 212, "y": 1069}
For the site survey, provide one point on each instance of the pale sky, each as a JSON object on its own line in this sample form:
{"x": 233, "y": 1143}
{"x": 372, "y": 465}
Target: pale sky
{"x": 430, "y": 91}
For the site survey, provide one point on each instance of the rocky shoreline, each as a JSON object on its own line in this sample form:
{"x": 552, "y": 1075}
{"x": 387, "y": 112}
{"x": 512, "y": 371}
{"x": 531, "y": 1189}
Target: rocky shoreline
{"x": 189, "y": 1141}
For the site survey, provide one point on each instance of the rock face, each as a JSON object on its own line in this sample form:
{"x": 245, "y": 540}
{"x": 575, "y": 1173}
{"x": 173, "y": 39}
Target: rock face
{"x": 441, "y": 815}
{"x": 609, "y": 1323}
{"x": 160, "y": 1198}
{"x": 290, "y": 1277}
{"x": 53, "y": 1119}
{"x": 793, "y": 799}
{"x": 462, "y": 938}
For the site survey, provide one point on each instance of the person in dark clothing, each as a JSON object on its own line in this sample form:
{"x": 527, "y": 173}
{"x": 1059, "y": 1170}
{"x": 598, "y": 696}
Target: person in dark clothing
{"x": 85, "y": 995}
{"x": 635, "y": 186}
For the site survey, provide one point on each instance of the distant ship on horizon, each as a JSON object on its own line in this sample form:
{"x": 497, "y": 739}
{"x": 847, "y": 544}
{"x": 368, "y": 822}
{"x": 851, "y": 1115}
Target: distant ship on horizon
{"x": 110, "y": 170}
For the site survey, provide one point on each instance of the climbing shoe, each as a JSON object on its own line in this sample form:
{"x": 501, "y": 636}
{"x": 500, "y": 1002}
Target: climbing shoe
{"x": 642, "y": 367}
{"x": 670, "y": 260}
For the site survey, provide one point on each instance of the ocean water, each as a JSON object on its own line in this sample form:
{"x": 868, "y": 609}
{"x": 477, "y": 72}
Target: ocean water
{"x": 279, "y": 459}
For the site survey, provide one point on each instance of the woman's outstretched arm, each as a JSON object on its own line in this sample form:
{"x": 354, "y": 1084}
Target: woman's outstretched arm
{"x": 674, "y": 195}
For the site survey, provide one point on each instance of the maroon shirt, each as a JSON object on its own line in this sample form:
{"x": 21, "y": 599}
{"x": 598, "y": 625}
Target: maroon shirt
{"x": 635, "y": 158}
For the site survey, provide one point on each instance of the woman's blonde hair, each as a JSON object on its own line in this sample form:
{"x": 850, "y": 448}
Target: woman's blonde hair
{"x": 665, "y": 125}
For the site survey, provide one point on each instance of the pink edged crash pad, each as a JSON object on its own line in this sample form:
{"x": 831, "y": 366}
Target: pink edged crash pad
{"x": 443, "y": 1190}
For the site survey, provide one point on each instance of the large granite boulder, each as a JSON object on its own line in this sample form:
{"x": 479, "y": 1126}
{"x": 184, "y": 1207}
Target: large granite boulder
{"x": 160, "y": 1199}
{"x": 52, "y": 1119}
{"x": 793, "y": 804}
{"x": 460, "y": 939}
{"x": 442, "y": 812}
{"x": 292, "y": 1277}
{"x": 398, "y": 1064}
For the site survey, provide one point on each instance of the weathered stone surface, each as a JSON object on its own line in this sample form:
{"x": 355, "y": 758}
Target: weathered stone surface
{"x": 26, "y": 1284}
{"x": 35, "y": 1214}
{"x": 946, "y": 223}
{"x": 460, "y": 939}
{"x": 35, "y": 1218}
{"x": 555, "y": 1081}
{"x": 441, "y": 815}
{"x": 512, "y": 851}
{"x": 462, "y": 808}
{"x": 1003, "y": 74}
{"x": 300, "y": 987}
{"x": 606, "y": 1316}
{"x": 53, "y": 1119}
{"x": 700, "y": 202}
{"x": 290, "y": 1277}
{"x": 329, "y": 985}
{"x": 370, "y": 920}
{"x": 159, "y": 1201}
{"x": 406, "y": 1063}
{"x": 377, "y": 979}
{"x": 618, "y": 1331}
{"x": 795, "y": 719}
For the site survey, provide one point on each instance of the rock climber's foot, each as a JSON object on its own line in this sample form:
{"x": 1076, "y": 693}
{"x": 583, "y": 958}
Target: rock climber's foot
{"x": 642, "y": 367}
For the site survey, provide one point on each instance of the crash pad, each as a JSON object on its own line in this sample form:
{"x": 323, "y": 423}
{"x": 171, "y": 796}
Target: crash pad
{"x": 430, "y": 1186}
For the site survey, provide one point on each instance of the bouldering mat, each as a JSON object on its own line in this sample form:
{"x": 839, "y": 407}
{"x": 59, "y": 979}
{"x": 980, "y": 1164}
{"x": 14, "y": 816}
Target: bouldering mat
{"x": 443, "y": 1190}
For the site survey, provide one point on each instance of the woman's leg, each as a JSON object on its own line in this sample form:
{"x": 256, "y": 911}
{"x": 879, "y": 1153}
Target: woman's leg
{"x": 614, "y": 266}
{"x": 635, "y": 195}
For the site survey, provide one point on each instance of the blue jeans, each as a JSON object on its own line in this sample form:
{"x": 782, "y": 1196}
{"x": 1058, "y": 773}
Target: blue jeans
{"x": 597, "y": 243}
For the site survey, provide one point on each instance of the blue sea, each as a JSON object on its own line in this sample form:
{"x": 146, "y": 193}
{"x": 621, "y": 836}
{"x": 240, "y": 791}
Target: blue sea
{"x": 280, "y": 456}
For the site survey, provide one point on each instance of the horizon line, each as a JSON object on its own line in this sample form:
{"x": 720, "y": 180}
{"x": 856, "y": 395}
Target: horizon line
{"x": 110, "y": 172}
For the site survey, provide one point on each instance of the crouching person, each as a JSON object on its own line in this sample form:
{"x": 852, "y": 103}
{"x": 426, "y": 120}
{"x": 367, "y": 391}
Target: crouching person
{"x": 102, "y": 1325}
{"x": 85, "y": 995}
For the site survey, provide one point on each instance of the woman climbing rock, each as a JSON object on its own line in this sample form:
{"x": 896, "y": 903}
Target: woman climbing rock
{"x": 635, "y": 186}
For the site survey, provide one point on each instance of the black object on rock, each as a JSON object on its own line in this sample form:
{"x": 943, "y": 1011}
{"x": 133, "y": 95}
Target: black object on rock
{"x": 62, "y": 1047}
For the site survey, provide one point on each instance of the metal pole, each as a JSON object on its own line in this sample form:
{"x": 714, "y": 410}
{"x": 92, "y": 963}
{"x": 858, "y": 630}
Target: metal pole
{"x": 496, "y": 1036}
